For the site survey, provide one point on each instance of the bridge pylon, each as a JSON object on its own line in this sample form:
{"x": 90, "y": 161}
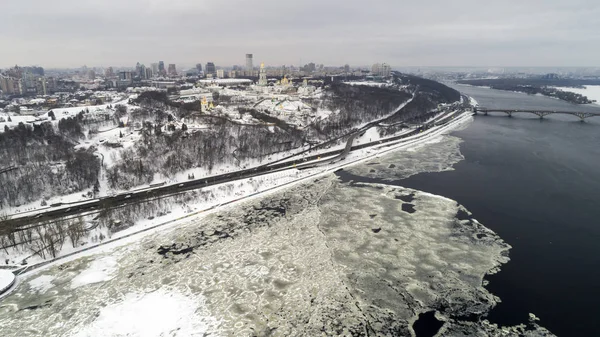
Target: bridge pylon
{"x": 583, "y": 115}
{"x": 541, "y": 114}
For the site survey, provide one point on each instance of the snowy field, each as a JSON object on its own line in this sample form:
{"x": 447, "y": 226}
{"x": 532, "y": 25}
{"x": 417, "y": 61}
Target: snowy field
{"x": 590, "y": 91}
{"x": 60, "y": 113}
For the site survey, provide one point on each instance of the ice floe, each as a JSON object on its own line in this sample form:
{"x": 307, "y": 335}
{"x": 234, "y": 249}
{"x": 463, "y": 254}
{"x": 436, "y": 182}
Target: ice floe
{"x": 158, "y": 313}
{"x": 99, "y": 270}
{"x": 42, "y": 283}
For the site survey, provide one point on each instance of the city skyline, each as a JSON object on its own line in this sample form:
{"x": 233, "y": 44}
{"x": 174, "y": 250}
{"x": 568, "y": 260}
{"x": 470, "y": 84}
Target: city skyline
{"x": 117, "y": 33}
{"x": 189, "y": 65}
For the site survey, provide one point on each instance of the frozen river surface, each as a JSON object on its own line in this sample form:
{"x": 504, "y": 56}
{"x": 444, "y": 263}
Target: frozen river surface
{"x": 327, "y": 257}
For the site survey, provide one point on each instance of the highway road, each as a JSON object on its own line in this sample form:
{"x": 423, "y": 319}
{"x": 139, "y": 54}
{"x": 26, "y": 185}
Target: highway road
{"x": 104, "y": 203}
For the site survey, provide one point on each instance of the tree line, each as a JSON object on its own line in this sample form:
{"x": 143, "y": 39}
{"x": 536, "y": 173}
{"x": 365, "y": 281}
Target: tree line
{"x": 47, "y": 163}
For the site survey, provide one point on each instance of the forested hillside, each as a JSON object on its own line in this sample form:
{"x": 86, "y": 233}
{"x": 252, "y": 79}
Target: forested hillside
{"x": 355, "y": 105}
{"x": 69, "y": 155}
{"x": 45, "y": 162}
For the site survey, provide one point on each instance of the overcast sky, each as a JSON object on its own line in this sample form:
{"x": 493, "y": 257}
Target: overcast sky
{"x": 71, "y": 33}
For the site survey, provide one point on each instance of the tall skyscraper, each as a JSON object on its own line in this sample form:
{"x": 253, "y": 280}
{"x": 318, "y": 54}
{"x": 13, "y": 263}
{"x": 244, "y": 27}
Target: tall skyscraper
{"x": 161, "y": 68}
{"x": 172, "y": 69}
{"x": 142, "y": 72}
{"x": 199, "y": 67}
{"x": 249, "y": 65}
{"x": 154, "y": 67}
{"x": 210, "y": 68}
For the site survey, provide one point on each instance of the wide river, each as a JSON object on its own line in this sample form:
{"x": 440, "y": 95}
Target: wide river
{"x": 537, "y": 184}
{"x": 377, "y": 249}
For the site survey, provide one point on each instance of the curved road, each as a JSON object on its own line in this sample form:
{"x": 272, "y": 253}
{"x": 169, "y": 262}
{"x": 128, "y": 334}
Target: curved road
{"x": 97, "y": 205}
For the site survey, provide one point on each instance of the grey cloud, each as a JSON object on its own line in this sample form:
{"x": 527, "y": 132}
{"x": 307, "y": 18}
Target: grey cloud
{"x": 428, "y": 32}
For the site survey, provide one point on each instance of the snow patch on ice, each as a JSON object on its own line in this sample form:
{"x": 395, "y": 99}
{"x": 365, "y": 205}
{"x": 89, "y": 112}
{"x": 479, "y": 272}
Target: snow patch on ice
{"x": 160, "y": 313}
{"x": 436, "y": 154}
{"x": 6, "y": 280}
{"x": 42, "y": 283}
{"x": 100, "y": 270}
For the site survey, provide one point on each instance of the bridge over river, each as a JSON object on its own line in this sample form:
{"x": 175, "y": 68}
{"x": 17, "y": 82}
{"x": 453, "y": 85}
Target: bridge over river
{"x": 540, "y": 113}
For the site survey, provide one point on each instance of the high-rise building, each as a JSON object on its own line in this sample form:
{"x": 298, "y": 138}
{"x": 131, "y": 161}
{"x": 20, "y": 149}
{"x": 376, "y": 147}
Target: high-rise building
{"x": 375, "y": 69}
{"x": 309, "y": 68}
{"x": 149, "y": 73}
{"x": 161, "y": 68}
{"x": 42, "y": 88}
{"x": 383, "y": 69}
{"x": 91, "y": 75}
{"x": 142, "y": 72}
{"x": 11, "y": 85}
{"x": 210, "y": 68}
{"x": 172, "y": 70}
{"x": 6, "y": 85}
{"x": 199, "y": 67}
{"x": 386, "y": 70}
{"x": 249, "y": 65}
{"x": 109, "y": 72}
{"x": 125, "y": 75}
{"x": 346, "y": 69}
{"x": 221, "y": 73}
{"x": 28, "y": 79}
{"x": 29, "y": 82}
{"x": 262, "y": 76}
{"x": 154, "y": 67}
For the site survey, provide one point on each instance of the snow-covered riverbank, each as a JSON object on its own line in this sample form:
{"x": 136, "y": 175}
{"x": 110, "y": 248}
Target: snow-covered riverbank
{"x": 169, "y": 211}
{"x": 592, "y": 92}
{"x": 348, "y": 258}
